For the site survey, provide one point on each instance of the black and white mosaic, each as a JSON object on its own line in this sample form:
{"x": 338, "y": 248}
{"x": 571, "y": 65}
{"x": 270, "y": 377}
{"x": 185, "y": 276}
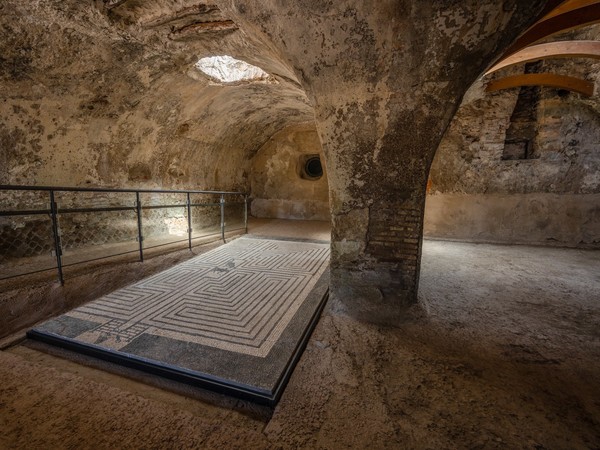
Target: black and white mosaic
{"x": 252, "y": 297}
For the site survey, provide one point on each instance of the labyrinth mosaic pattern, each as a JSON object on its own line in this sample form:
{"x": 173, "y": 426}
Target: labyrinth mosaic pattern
{"x": 239, "y": 298}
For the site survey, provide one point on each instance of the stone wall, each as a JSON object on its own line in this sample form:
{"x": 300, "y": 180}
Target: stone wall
{"x": 541, "y": 219}
{"x": 27, "y": 242}
{"x": 106, "y": 94}
{"x": 279, "y": 187}
{"x": 109, "y": 96}
{"x": 551, "y": 197}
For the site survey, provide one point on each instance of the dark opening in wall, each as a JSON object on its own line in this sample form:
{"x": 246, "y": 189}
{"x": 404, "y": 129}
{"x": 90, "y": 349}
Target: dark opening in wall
{"x": 521, "y": 135}
{"x": 311, "y": 167}
{"x": 517, "y": 150}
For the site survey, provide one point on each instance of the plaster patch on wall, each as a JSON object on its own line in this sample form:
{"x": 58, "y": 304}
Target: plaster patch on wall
{"x": 541, "y": 219}
{"x": 591, "y": 182}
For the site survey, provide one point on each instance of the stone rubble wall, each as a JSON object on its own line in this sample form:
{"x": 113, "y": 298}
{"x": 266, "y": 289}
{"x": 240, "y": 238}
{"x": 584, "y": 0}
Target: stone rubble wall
{"x": 278, "y": 188}
{"x": 551, "y": 199}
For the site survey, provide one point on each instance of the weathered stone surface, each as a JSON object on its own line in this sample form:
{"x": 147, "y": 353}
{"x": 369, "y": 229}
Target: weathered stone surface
{"x": 571, "y": 220}
{"x": 97, "y": 96}
{"x": 278, "y": 187}
{"x": 108, "y": 95}
{"x": 476, "y": 195}
{"x": 102, "y": 95}
{"x": 385, "y": 79}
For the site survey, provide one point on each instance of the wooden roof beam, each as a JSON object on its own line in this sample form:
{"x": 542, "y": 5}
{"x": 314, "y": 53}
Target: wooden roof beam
{"x": 552, "y": 5}
{"x": 567, "y": 6}
{"x": 580, "y": 17}
{"x": 572, "y": 84}
{"x": 562, "y": 49}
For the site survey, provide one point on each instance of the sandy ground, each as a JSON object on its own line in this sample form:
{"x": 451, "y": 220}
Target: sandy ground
{"x": 504, "y": 352}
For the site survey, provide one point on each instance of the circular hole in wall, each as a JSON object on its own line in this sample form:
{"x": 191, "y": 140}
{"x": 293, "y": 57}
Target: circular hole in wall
{"x": 313, "y": 167}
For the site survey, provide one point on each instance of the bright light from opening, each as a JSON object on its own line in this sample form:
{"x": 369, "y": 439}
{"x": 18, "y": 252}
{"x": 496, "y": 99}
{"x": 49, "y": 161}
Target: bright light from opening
{"x": 230, "y": 70}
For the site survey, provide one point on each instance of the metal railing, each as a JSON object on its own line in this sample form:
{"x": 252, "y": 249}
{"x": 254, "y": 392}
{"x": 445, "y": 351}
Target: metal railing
{"x": 54, "y": 212}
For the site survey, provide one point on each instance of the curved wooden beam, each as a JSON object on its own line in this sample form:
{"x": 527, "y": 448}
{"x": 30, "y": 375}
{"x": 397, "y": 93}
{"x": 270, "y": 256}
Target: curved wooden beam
{"x": 552, "y": 5}
{"x": 567, "y": 6}
{"x": 580, "y": 17}
{"x": 583, "y": 87}
{"x": 562, "y": 49}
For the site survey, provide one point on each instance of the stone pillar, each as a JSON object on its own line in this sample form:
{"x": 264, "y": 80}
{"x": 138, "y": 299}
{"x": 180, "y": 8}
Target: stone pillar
{"x": 385, "y": 78}
{"x": 377, "y": 192}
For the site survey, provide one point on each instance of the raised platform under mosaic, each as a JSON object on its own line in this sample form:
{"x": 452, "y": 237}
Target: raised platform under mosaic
{"x": 234, "y": 319}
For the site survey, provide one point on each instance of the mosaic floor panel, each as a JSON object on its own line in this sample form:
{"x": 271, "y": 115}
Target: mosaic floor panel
{"x": 237, "y": 315}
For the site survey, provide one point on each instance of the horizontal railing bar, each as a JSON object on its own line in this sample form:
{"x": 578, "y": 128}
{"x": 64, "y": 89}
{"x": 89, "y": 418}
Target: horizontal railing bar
{"x": 92, "y": 189}
{"x": 34, "y": 212}
{"x": 207, "y": 235}
{"x": 86, "y": 210}
{"x": 113, "y": 255}
{"x": 235, "y": 229}
{"x": 126, "y": 208}
{"x": 216, "y": 233}
{"x": 97, "y": 259}
{"x": 28, "y": 273}
{"x": 191, "y": 204}
{"x": 123, "y": 253}
{"x": 166, "y": 243}
{"x": 31, "y": 212}
{"x": 163, "y": 206}
{"x": 185, "y": 240}
{"x": 131, "y": 251}
{"x": 206, "y": 204}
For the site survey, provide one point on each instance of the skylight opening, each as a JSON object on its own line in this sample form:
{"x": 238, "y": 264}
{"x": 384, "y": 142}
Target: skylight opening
{"x": 226, "y": 69}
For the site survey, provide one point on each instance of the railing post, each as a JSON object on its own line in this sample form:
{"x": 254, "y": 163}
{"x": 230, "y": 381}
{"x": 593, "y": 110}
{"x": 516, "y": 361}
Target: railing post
{"x": 56, "y": 233}
{"x": 189, "y": 217}
{"x": 246, "y": 213}
{"x": 223, "y": 217}
{"x": 138, "y": 208}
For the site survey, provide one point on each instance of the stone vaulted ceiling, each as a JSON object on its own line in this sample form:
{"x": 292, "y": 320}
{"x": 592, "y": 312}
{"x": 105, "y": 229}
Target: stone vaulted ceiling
{"x": 108, "y": 95}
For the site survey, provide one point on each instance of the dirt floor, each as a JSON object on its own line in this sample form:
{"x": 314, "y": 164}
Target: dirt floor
{"x": 503, "y": 352}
